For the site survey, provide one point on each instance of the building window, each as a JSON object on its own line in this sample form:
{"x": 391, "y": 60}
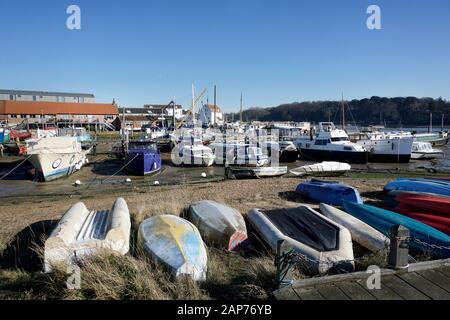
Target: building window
{"x": 13, "y": 116}
{"x": 11, "y": 97}
{"x": 34, "y": 98}
{"x": 23, "y": 116}
{"x": 33, "y": 116}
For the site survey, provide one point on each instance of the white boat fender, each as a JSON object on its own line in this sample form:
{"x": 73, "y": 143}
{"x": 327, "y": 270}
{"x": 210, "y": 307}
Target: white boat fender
{"x": 203, "y": 175}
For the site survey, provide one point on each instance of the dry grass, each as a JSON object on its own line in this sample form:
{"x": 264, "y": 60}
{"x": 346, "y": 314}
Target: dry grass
{"x": 230, "y": 276}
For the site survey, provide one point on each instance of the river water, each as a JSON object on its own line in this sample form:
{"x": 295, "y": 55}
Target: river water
{"x": 97, "y": 175}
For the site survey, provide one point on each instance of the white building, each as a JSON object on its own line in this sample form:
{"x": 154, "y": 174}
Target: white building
{"x": 165, "y": 110}
{"x": 23, "y": 95}
{"x": 209, "y": 116}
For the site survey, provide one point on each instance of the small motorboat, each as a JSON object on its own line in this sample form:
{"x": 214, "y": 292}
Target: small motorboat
{"x": 286, "y": 150}
{"x": 417, "y": 185}
{"x": 191, "y": 152}
{"x": 218, "y": 224}
{"x": 323, "y": 244}
{"x": 425, "y": 151}
{"x": 425, "y": 202}
{"x": 175, "y": 243}
{"x": 250, "y": 156}
{"x": 143, "y": 157}
{"x": 329, "y": 192}
{"x": 423, "y": 237}
{"x": 323, "y": 169}
{"x": 232, "y": 172}
{"x": 55, "y": 157}
{"x": 361, "y": 232}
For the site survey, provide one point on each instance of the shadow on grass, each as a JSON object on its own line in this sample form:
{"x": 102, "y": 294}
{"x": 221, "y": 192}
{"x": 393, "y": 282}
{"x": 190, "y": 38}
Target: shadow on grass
{"x": 21, "y": 251}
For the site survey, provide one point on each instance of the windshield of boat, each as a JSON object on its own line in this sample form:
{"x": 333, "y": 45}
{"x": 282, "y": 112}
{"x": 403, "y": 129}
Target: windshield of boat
{"x": 143, "y": 145}
{"x": 336, "y": 139}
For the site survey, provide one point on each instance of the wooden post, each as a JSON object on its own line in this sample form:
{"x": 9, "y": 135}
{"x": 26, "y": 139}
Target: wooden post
{"x": 399, "y": 250}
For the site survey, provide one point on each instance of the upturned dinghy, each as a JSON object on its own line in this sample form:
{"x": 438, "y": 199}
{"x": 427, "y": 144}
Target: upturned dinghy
{"x": 324, "y": 244}
{"x": 323, "y": 169}
{"x": 175, "y": 243}
{"x": 424, "y": 237}
{"x": 232, "y": 172}
{"x": 426, "y": 202}
{"x": 426, "y": 186}
{"x": 218, "y": 224}
{"x": 329, "y": 192}
{"x": 82, "y": 233}
{"x": 441, "y": 223}
{"x": 361, "y": 232}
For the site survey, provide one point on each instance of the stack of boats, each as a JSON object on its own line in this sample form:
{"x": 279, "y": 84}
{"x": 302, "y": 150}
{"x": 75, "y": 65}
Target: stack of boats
{"x": 422, "y": 207}
{"x": 322, "y": 240}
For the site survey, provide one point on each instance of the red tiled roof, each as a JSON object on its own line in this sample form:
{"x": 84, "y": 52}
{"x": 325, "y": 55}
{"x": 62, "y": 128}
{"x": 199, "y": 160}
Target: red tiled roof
{"x": 44, "y": 107}
{"x": 211, "y": 107}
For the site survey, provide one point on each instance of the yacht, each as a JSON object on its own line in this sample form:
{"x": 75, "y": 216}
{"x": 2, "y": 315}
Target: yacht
{"x": 424, "y": 151}
{"x": 385, "y": 147}
{"x": 55, "y": 157}
{"x": 330, "y": 144}
{"x": 250, "y": 156}
{"x": 191, "y": 152}
{"x": 287, "y": 151}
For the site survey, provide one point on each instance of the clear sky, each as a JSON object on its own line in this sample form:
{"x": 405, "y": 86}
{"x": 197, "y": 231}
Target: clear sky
{"x": 274, "y": 51}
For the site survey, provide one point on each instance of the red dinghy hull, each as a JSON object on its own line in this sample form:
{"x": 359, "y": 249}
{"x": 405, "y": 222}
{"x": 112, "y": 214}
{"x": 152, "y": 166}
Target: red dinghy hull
{"x": 426, "y": 202}
{"x": 439, "y": 222}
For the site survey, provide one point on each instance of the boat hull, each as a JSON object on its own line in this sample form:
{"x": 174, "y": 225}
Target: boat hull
{"x": 438, "y": 222}
{"x": 419, "y": 186}
{"x": 218, "y": 224}
{"x": 324, "y": 169}
{"x": 52, "y": 166}
{"x": 332, "y": 193}
{"x": 143, "y": 163}
{"x": 332, "y": 155}
{"x": 326, "y": 245}
{"x": 424, "y": 238}
{"x": 361, "y": 232}
{"x": 176, "y": 244}
{"x": 426, "y": 202}
{"x": 389, "y": 158}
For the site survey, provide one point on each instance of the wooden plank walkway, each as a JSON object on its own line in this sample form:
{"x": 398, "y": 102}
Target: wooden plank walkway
{"x": 421, "y": 281}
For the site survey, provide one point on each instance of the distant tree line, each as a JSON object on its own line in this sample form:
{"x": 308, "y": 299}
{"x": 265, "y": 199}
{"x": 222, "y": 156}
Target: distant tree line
{"x": 401, "y": 111}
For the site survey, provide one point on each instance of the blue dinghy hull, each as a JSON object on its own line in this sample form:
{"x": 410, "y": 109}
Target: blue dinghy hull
{"x": 419, "y": 185}
{"x": 332, "y": 193}
{"x": 436, "y": 242}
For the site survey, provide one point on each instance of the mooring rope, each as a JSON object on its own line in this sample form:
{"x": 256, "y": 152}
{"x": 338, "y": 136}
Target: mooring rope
{"x": 125, "y": 165}
{"x": 12, "y": 170}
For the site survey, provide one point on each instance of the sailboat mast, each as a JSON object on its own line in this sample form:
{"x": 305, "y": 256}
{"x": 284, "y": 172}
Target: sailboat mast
{"x": 240, "y": 117}
{"x": 431, "y": 123}
{"x": 343, "y": 112}
{"x": 193, "y": 105}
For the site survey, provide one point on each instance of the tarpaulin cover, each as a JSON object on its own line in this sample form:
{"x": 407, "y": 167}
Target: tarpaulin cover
{"x": 306, "y": 227}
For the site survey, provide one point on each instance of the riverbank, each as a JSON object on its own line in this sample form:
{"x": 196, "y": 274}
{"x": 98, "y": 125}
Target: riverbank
{"x": 246, "y": 275}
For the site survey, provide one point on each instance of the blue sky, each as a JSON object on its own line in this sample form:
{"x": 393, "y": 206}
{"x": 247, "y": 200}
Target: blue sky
{"x": 274, "y": 51}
